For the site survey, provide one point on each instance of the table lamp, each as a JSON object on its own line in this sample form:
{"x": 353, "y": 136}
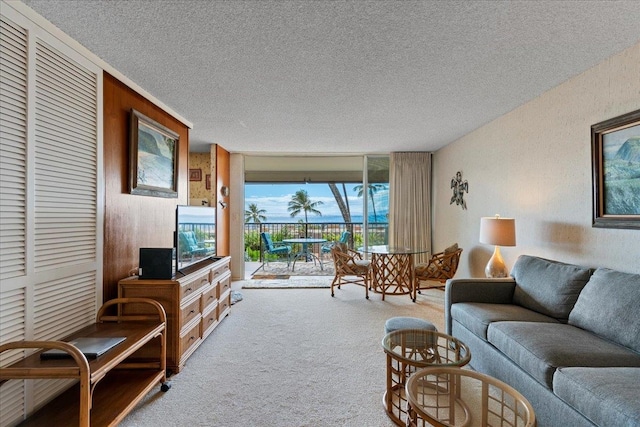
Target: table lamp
{"x": 499, "y": 232}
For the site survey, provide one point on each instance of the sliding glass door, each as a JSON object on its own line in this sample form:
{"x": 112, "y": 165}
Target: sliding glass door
{"x": 376, "y": 200}
{"x": 334, "y": 195}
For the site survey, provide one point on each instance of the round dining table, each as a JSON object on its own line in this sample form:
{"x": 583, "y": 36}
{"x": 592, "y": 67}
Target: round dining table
{"x": 305, "y": 252}
{"x": 393, "y": 271}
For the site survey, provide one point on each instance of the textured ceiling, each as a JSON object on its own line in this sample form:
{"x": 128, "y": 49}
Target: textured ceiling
{"x": 344, "y": 76}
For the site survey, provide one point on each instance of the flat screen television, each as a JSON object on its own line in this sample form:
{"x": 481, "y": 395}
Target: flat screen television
{"x": 195, "y": 236}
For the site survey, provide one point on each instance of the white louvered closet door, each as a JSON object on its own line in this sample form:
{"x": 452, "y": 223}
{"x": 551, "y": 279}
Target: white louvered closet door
{"x": 50, "y": 210}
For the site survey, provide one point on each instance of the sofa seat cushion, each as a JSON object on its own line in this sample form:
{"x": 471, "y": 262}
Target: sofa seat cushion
{"x": 476, "y": 316}
{"x": 540, "y": 348}
{"x": 608, "y": 306}
{"x": 607, "y": 396}
{"x": 548, "y": 287}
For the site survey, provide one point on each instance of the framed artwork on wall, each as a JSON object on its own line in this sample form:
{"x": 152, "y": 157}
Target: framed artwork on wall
{"x": 195, "y": 174}
{"x": 153, "y": 158}
{"x": 208, "y": 181}
{"x": 615, "y": 149}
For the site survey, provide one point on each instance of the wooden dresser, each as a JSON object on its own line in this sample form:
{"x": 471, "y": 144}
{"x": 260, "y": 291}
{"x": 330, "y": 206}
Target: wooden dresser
{"x": 195, "y": 304}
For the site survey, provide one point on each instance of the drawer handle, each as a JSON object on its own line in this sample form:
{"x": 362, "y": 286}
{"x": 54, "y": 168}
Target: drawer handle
{"x": 216, "y": 273}
{"x": 192, "y": 311}
{"x": 204, "y": 281}
{"x": 210, "y": 296}
{"x": 189, "y": 289}
{"x": 192, "y": 338}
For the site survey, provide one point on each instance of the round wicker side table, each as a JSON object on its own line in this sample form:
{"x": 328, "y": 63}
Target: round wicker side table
{"x": 409, "y": 350}
{"x": 449, "y": 396}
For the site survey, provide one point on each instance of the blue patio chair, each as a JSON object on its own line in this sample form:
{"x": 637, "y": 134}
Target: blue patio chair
{"x": 344, "y": 238}
{"x": 189, "y": 247}
{"x": 279, "y": 249}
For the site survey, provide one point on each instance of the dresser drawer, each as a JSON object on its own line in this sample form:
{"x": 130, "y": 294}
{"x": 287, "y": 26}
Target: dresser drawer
{"x": 224, "y": 304}
{"x": 209, "y": 296}
{"x": 223, "y": 286}
{"x": 216, "y": 273}
{"x": 189, "y": 312}
{"x": 190, "y": 338}
{"x": 194, "y": 285}
{"x": 209, "y": 321}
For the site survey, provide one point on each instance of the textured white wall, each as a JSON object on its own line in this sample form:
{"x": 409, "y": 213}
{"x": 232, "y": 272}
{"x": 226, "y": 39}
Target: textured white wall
{"x": 534, "y": 164}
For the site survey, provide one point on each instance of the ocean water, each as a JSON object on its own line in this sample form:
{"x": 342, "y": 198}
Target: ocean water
{"x": 314, "y": 219}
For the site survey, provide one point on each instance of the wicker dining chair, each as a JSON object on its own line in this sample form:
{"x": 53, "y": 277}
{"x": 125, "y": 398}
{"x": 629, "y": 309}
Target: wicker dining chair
{"x": 441, "y": 267}
{"x": 350, "y": 268}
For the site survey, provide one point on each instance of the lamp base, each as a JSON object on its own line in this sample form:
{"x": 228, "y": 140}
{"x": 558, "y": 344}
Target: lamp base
{"x": 496, "y": 267}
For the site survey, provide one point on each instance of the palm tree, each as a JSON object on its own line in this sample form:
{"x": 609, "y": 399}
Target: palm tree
{"x": 372, "y": 189}
{"x": 253, "y": 214}
{"x": 343, "y": 204}
{"x": 300, "y": 203}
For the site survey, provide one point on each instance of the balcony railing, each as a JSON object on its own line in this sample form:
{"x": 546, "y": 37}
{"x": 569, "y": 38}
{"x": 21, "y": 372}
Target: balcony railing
{"x": 331, "y": 231}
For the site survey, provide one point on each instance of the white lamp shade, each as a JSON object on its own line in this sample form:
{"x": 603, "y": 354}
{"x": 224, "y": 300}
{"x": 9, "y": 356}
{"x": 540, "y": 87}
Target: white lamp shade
{"x": 498, "y": 231}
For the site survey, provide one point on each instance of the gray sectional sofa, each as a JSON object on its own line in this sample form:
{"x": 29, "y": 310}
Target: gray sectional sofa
{"x": 567, "y": 337}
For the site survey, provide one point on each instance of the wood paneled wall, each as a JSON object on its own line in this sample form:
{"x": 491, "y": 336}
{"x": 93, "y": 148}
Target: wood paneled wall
{"x": 222, "y": 174}
{"x": 133, "y": 222}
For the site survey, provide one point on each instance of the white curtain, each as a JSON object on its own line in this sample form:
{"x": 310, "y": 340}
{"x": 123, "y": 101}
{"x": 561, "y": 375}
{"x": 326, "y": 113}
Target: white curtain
{"x": 410, "y": 201}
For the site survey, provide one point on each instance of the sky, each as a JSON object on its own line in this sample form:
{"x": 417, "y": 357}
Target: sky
{"x": 612, "y": 141}
{"x": 274, "y": 199}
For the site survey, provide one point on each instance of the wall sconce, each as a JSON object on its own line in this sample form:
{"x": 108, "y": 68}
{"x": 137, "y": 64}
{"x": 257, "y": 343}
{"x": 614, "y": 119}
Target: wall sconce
{"x": 499, "y": 232}
{"x": 223, "y": 205}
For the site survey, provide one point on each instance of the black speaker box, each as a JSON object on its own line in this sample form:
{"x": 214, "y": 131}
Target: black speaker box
{"x": 156, "y": 263}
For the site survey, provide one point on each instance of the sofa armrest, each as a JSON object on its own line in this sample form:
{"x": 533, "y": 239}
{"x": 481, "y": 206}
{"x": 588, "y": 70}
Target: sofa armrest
{"x": 492, "y": 291}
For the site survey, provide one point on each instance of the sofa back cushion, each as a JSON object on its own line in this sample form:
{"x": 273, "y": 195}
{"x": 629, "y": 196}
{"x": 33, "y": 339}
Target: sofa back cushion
{"x": 548, "y": 287}
{"x": 608, "y": 306}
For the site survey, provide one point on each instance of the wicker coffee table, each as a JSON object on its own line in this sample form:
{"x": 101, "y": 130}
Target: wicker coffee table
{"x": 409, "y": 350}
{"x": 448, "y": 396}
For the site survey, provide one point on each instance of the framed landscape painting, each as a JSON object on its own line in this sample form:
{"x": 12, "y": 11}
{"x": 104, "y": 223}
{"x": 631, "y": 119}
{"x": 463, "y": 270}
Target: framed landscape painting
{"x": 615, "y": 148}
{"x": 153, "y": 158}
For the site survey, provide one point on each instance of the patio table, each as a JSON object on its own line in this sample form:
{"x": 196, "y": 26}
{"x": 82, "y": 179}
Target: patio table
{"x": 305, "y": 252}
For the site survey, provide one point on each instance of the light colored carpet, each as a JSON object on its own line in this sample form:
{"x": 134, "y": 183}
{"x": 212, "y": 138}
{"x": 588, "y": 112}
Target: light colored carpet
{"x": 289, "y": 357}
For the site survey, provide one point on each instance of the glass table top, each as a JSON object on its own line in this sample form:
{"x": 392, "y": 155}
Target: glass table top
{"x": 392, "y": 250}
{"x": 304, "y": 240}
